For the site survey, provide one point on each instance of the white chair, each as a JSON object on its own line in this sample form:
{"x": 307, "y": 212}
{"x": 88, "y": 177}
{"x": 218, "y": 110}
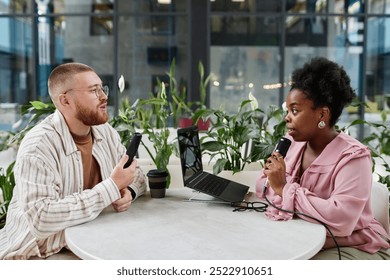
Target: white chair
{"x": 380, "y": 204}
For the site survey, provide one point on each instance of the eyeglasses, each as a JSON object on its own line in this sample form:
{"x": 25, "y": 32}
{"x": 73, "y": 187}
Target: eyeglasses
{"x": 247, "y": 205}
{"x": 95, "y": 90}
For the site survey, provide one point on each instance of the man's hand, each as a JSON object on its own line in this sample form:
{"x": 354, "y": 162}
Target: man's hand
{"x": 124, "y": 202}
{"x": 123, "y": 177}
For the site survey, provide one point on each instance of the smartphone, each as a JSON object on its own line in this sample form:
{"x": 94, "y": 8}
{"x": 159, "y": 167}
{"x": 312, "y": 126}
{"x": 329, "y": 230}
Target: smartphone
{"x": 133, "y": 148}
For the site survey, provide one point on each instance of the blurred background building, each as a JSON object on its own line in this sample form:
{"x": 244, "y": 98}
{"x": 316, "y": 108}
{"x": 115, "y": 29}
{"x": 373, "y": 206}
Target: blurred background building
{"x": 247, "y": 45}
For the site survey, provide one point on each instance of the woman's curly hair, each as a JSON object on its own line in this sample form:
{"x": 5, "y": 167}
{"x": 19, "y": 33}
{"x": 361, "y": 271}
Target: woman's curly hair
{"x": 326, "y": 84}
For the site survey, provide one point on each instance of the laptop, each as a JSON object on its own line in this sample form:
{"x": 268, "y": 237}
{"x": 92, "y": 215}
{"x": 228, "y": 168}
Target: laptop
{"x": 195, "y": 178}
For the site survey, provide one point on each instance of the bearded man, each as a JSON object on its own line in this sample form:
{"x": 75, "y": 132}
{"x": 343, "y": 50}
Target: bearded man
{"x": 68, "y": 169}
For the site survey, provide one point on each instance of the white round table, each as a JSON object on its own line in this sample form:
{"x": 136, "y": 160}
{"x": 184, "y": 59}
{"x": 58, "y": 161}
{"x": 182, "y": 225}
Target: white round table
{"x": 172, "y": 228}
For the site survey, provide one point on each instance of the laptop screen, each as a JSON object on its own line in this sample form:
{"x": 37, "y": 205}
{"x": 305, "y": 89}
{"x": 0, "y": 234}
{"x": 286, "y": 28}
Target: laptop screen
{"x": 190, "y": 152}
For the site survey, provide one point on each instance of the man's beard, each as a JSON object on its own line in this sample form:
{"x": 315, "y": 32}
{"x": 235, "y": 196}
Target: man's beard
{"x": 90, "y": 116}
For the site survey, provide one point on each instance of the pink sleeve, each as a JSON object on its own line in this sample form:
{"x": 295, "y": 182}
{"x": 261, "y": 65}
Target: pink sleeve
{"x": 272, "y": 212}
{"x": 349, "y": 191}
{"x": 336, "y": 196}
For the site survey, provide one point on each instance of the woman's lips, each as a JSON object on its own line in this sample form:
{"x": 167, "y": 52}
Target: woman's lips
{"x": 290, "y": 130}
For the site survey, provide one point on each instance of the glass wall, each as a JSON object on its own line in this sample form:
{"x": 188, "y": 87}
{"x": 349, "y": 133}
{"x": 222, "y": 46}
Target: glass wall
{"x": 250, "y": 46}
{"x": 137, "y": 39}
{"x": 255, "y": 46}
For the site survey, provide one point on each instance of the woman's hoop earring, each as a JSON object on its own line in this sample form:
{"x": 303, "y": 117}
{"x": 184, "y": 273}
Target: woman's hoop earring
{"x": 321, "y": 124}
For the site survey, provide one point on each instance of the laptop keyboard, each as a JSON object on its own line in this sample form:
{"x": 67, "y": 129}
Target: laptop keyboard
{"x": 213, "y": 185}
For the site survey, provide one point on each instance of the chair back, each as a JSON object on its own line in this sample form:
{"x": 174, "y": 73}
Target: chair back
{"x": 380, "y": 204}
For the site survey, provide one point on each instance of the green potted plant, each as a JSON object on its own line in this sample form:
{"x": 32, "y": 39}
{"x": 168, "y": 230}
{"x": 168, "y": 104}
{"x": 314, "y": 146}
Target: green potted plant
{"x": 158, "y": 134}
{"x": 7, "y": 183}
{"x": 203, "y": 124}
{"x": 228, "y": 135}
{"x": 178, "y": 105}
{"x": 125, "y": 122}
{"x": 188, "y": 109}
{"x": 31, "y": 114}
{"x": 273, "y": 128}
{"x": 237, "y": 140}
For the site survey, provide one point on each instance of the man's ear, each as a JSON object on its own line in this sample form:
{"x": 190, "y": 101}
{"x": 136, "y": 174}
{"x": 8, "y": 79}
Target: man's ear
{"x": 63, "y": 100}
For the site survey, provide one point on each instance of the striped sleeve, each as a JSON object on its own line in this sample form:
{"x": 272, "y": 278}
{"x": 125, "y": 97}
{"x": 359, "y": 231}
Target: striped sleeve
{"x": 47, "y": 209}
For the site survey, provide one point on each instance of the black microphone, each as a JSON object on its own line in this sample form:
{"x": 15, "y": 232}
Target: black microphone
{"x": 282, "y": 148}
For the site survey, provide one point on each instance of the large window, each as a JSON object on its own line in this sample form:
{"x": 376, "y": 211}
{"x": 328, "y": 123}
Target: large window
{"x": 137, "y": 39}
{"x": 255, "y": 46}
{"x": 250, "y": 46}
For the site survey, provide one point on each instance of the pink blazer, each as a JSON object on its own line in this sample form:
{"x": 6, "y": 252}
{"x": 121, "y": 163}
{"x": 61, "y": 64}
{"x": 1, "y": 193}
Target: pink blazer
{"x": 334, "y": 189}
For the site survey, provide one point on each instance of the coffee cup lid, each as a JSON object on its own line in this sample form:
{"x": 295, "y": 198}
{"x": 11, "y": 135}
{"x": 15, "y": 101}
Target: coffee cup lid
{"x": 157, "y": 173}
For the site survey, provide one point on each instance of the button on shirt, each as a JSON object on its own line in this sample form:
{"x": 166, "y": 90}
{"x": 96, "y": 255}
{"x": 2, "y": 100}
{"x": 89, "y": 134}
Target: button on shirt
{"x": 49, "y": 194}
